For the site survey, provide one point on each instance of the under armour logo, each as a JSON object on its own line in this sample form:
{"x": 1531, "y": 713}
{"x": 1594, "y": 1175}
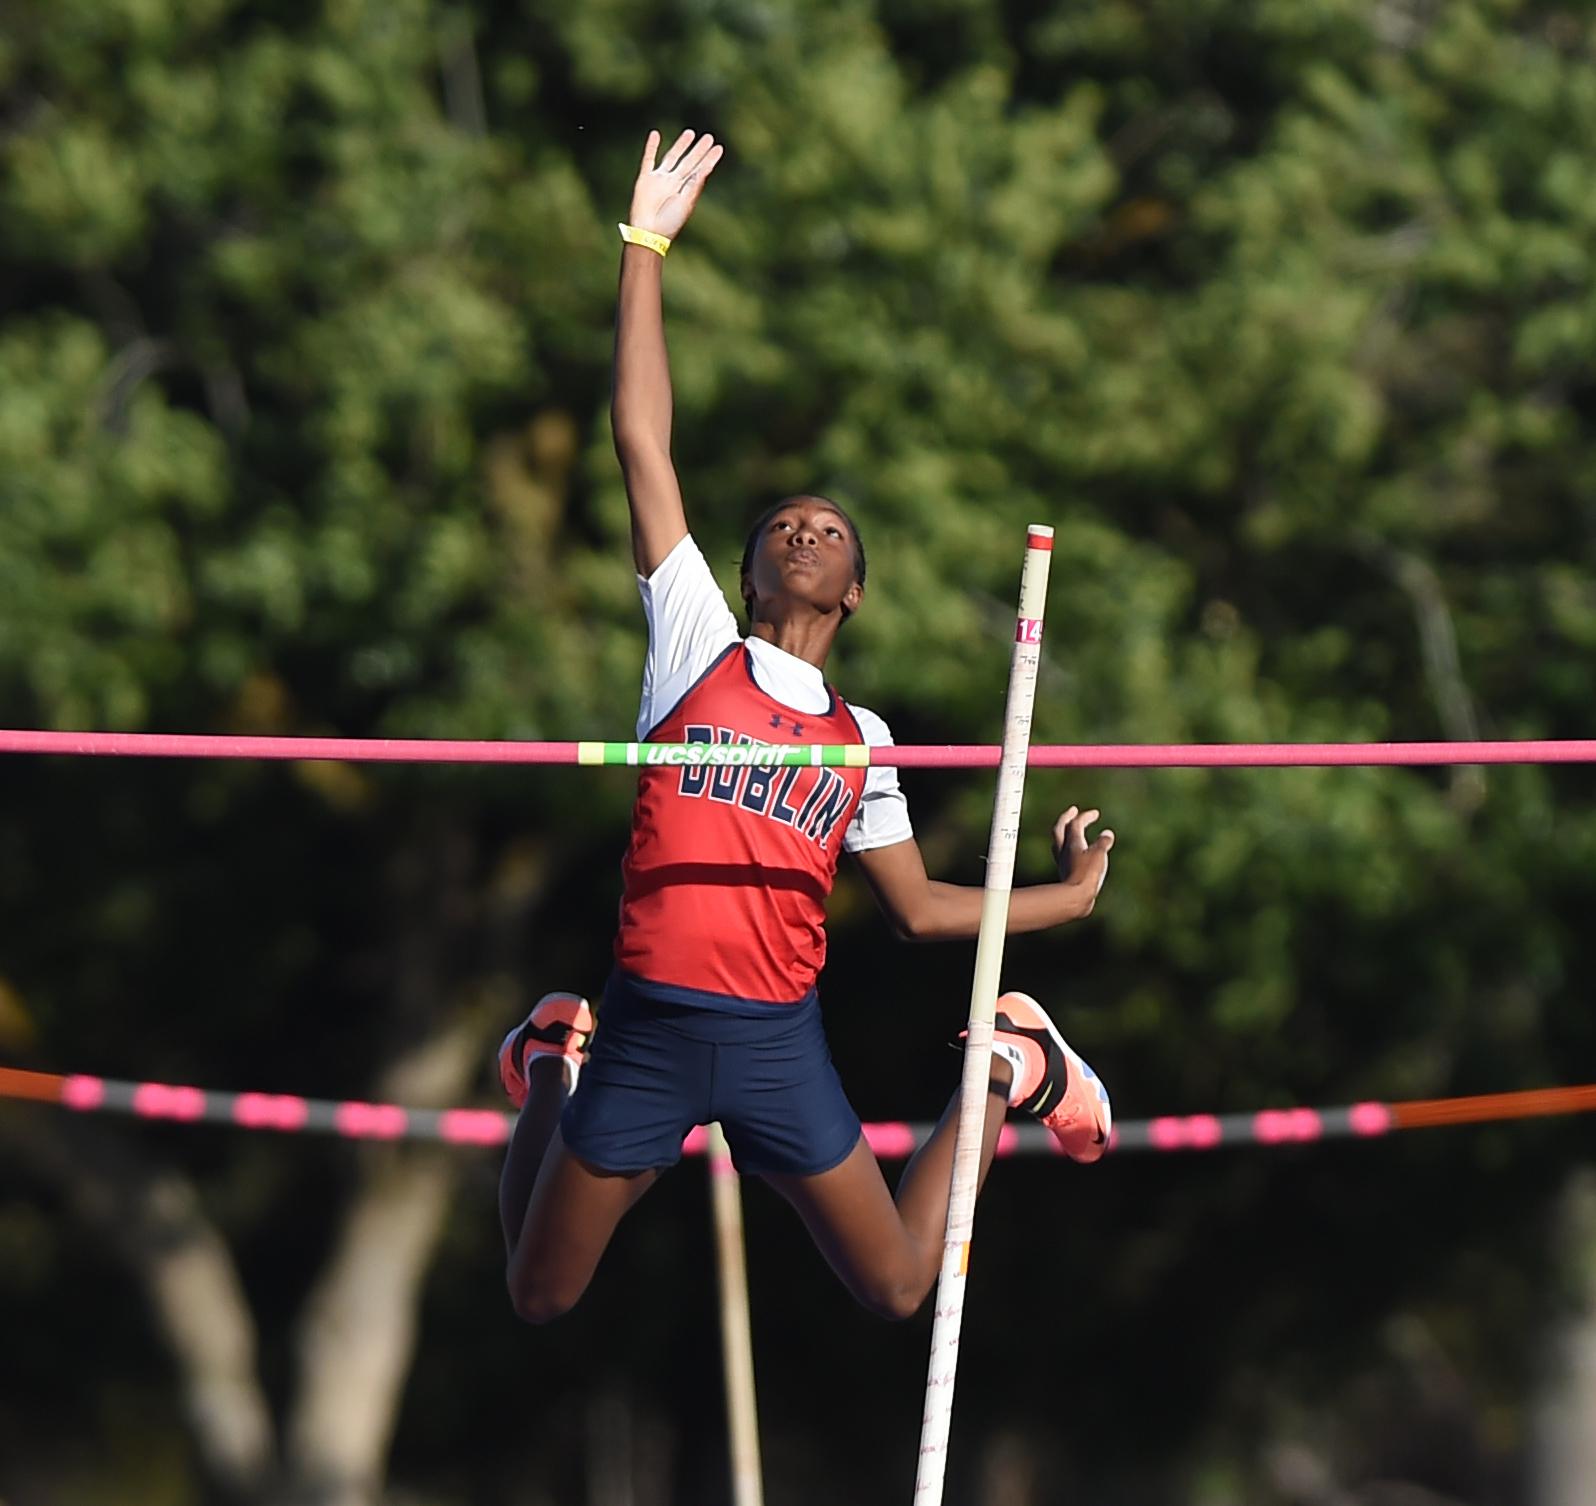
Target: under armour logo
{"x": 797, "y": 727}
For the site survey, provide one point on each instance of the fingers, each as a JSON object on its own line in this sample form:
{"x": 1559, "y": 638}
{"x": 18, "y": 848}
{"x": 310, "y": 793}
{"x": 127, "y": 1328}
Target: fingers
{"x": 650, "y": 152}
{"x": 693, "y": 183}
{"x": 678, "y": 150}
{"x": 1071, "y": 847}
{"x": 669, "y": 183}
{"x": 1097, "y": 854}
{"x": 1061, "y": 829}
{"x": 1075, "y": 822}
{"x": 1088, "y": 865}
{"x": 696, "y": 159}
{"x": 690, "y": 155}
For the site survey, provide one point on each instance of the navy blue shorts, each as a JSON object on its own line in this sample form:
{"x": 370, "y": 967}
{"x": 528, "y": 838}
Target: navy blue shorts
{"x": 659, "y": 1067}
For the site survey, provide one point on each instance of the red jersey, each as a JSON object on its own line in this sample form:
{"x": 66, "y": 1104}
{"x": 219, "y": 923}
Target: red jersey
{"x": 728, "y": 870}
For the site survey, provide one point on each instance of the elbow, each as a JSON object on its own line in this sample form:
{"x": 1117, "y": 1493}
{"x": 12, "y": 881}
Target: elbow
{"x": 902, "y": 925}
{"x": 915, "y": 925}
{"x": 636, "y": 442}
{"x": 629, "y": 443}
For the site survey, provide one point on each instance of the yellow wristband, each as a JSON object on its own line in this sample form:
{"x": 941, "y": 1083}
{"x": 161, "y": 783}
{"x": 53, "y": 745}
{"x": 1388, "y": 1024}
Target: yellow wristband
{"x": 635, "y": 237}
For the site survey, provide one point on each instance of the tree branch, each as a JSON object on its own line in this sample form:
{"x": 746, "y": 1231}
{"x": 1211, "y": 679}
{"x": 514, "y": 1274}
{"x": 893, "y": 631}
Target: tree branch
{"x": 1443, "y": 669}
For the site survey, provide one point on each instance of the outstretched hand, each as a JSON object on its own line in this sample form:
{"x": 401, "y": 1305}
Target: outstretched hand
{"x": 665, "y": 193}
{"x": 1079, "y": 861}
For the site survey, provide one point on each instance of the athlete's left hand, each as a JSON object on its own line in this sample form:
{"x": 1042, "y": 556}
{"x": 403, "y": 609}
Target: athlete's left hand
{"x": 1079, "y": 861}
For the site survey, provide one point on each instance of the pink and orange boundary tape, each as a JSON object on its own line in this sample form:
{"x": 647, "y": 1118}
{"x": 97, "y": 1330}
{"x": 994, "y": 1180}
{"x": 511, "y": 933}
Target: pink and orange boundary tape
{"x": 288, "y": 1113}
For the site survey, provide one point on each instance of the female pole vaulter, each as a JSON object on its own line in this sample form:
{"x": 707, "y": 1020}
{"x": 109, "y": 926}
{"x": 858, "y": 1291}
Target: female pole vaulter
{"x": 711, "y": 1011}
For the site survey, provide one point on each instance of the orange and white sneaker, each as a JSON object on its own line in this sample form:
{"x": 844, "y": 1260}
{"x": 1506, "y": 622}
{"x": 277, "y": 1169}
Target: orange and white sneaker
{"x": 1050, "y": 1080}
{"x": 558, "y": 1026}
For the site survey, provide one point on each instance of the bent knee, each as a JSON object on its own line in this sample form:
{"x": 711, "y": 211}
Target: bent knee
{"x": 539, "y": 1302}
{"x": 538, "y": 1308}
{"x": 895, "y": 1301}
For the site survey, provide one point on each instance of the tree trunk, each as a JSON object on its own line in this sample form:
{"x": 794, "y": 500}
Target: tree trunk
{"x": 1565, "y": 1417}
{"x": 1010, "y": 1472}
{"x": 357, "y": 1333}
{"x": 150, "y": 1216}
{"x": 356, "y": 1336}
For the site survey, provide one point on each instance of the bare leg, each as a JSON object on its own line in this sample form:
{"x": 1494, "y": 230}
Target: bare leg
{"x": 557, "y": 1211}
{"x": 888, "y": 1253}
{"x": 529, "y": 1142}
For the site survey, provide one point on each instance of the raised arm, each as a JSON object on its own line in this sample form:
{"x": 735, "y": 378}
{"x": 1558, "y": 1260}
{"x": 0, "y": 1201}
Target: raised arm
{"x": 920, "y": 908}
{"x": 640, "y": 403}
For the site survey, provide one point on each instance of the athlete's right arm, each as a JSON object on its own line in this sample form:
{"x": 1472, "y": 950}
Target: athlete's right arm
{"x": 640, "y": 405}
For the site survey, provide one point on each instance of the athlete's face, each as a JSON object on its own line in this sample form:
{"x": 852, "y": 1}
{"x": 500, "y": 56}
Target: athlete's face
{"x": 806, "y": 554}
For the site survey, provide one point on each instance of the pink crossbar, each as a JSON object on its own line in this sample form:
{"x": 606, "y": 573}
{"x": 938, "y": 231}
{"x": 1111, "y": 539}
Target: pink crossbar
{"x": 926, "y": 756}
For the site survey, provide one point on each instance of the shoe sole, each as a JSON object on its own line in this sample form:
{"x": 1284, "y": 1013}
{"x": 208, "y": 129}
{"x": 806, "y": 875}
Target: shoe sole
{"x": 512, "y": 1076}
{"x": 1082, "y": 1068}
{"x": 513, "y": 1083}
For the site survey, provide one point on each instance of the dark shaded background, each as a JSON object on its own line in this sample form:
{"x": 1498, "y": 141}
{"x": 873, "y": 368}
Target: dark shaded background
{"x": 1281, "y": 313}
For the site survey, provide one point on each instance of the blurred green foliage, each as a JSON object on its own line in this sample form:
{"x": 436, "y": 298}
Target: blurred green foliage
{"x": 1281, "y": 312}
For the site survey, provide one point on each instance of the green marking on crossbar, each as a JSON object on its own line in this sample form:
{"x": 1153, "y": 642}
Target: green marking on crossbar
{"x": 723, "y": 755}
